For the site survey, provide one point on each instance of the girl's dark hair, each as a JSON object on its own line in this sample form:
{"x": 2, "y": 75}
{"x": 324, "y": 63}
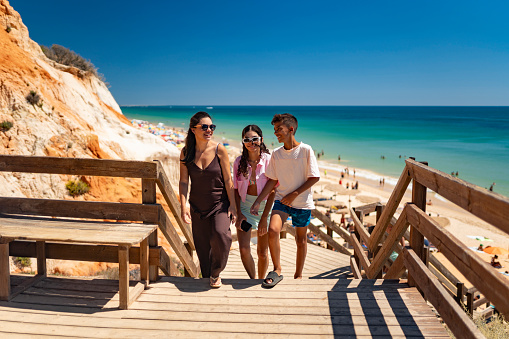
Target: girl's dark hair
{"x": 245, "y": 153}
{"x": 190, "y": 142}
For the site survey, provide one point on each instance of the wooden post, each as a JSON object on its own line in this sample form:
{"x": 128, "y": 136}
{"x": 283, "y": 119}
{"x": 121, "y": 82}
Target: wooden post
{"x": 123, "y": 276}
{"x": 41, "y": 257}
{"x": 5, "y": 271}
{"x": 416, "y": 238}
{"x": 148, "y": 195}
{"x": 379, "y": 209}
{"x": 470, "y": 303}
{"x": 459, "y": 292}
{"x": 190, "y": 251}
{"x": 330, "y": 234}
{"x": 360, "y": 215}
{"x": 144, "y": 266}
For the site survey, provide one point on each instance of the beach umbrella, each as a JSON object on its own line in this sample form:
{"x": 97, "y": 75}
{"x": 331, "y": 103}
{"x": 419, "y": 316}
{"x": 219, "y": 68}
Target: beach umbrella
{"x": 496, "y": 250}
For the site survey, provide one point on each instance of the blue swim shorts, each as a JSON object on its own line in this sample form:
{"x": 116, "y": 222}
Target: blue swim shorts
{"x": 300, "y": 217}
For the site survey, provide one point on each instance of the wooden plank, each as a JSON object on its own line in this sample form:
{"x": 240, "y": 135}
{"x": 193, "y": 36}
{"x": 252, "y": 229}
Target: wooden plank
{"x": 81, "y": 252}
{"x": 41, "y": 257}
{"x": 78, "y": 166}
{"x": 26, "y": 284}
{"x": 5, "y": 271}
{"x": 47, "y": 229}
{"x": 328, "y": 222}
{"x": 416, "y": 238}
{"x": 177, "y": 245}
{"x": 359, "y": 250}
{"x": 389, "y": 245}
{"x": 367, "y": 209}
{"x": 455, "y": 318}
{"x": 490, "y": 207}
{"x": 474, "y": 269}
{"x": 390, "y": 208}
{"x": 135, "y": 292}
{"x": 355, "y": 269}
{"x": 123, "y": 277}
{"x": 167, "y": 266}
{"x": 397, "y": 269}
{"x": 173, "y": 203}
{"x": 330, "y": 241}
{"x": 359, "y": 226}
{"x": 443, "y": 270}
{"x": 446, "y": 283}
{"x": 80, "y": 209}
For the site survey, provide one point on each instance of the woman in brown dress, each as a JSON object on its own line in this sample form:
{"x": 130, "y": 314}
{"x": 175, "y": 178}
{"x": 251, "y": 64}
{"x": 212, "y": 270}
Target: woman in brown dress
{"x": 212, "y": 198}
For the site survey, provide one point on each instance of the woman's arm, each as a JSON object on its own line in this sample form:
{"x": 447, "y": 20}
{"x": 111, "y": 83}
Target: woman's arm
{"x": 225, "y": 168}
{"x": 183, "y": 189}
{"x": 240, "y": 216}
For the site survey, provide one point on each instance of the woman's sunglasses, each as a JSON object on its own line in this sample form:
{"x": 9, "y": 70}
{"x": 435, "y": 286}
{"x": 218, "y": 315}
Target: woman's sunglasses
{"x": 253, "y": 139}
{"x": 205, "y": 127}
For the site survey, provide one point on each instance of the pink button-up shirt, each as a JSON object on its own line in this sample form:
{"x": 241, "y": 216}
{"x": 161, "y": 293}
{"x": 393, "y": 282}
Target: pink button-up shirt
{"x": 241, "y": 182}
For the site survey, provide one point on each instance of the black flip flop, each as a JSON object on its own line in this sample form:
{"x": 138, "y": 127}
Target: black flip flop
{"x": 275, "y": 279}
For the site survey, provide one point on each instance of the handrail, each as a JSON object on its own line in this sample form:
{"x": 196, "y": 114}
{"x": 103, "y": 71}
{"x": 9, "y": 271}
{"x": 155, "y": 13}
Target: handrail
{"x": 78, "y": 166}
{"x": 490, "y": 207}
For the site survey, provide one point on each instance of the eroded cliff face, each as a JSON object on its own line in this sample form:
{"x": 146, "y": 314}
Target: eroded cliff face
{"x": 76, "y": 117}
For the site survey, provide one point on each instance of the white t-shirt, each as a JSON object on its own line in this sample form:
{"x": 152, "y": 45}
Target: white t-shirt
{"x": 292, "y": 168}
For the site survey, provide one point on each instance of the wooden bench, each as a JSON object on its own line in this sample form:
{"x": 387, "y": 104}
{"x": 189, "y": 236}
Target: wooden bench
{"x": 42, "y": 229}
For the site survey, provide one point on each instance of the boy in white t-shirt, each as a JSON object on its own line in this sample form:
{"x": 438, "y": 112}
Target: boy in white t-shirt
{"x": 294, "y": 166}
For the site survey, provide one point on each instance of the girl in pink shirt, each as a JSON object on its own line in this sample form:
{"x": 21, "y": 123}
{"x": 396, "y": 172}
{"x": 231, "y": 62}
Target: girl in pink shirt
{"x": 248, "y": 184}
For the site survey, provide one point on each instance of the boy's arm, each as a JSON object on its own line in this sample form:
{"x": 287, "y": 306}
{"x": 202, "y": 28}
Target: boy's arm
{"x": 287, "y": 200}
{"x": 269, "y": 186}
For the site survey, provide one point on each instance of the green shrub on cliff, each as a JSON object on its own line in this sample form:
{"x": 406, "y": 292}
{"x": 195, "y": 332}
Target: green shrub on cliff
{"x": 5, "y": 126}
{"x": 77, "y": 187}
{"x": 65, "y": 56}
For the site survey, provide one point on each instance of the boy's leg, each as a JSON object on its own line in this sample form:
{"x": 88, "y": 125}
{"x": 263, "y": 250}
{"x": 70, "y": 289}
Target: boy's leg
{"x": 302, "y": 249}
{"x": 245, "y": 252}
{"x": 276, "y": 223}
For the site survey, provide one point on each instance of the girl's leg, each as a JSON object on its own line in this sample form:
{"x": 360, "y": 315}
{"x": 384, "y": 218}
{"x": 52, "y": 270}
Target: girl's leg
{"x": 262, "y": 250}
{"x": 245, "y": 252}
{"x": 220, "y": 243}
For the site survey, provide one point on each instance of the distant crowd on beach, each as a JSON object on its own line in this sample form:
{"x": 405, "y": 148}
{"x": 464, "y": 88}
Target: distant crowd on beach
{"x": 168, "y": 134}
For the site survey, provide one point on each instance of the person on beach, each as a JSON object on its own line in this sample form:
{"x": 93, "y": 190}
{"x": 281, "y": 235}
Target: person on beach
{"x": 212, "y": 198}
{"x": 295, "y": 168}
{"x": 248, "y": 184}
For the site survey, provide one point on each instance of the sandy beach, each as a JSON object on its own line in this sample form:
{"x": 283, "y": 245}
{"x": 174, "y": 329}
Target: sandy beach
{"x": 468, "y": 228}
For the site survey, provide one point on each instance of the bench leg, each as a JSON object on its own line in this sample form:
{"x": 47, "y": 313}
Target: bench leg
{"x": 154, "y": 269}
{"x": 123, "y": 276}
{"x": 41, "y": 257}
{"x": 144, "y": 267}
{"x": 5, "y": 271}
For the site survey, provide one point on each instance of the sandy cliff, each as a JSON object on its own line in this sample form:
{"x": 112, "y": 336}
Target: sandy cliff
{"x": 76, "y": 117}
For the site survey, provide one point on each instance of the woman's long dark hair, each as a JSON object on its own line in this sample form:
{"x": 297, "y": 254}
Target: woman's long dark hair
{"x": 190, "y": 142}
{"x": 245, "y": 153}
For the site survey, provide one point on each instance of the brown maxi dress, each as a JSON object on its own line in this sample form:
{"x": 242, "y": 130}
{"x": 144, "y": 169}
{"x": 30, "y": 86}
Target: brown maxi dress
{"x": 209, "y": 215}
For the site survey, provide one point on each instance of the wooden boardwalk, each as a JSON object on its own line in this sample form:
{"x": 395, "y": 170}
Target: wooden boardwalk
{"x": 325, "y": 304}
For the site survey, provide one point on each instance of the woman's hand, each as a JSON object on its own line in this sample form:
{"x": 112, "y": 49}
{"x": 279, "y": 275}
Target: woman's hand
{"x": 232, "y": 214}
{"x": 240, "y": 218}
{"x": 262, "y": 227}
{"x": 186, "y": 215}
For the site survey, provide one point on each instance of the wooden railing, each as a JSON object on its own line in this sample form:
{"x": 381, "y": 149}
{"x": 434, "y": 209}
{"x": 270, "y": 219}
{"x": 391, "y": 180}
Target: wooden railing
{"x": 151, "y": 174}
{"x": 488, "y": 206}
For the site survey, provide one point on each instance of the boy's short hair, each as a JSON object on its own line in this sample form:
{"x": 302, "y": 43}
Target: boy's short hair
{"x": 287, "y": 119}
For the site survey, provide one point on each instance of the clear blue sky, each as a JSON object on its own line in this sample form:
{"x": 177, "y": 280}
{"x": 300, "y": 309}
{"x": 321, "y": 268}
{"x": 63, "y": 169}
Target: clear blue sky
{"x": 286, "y": 52}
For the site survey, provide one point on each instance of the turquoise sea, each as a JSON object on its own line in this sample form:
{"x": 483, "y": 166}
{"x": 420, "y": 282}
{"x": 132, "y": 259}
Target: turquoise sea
{"x": 474, "y": 141}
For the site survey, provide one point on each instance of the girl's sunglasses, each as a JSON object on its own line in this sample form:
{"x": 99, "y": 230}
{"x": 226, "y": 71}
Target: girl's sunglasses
{"x": 253, "y": 139}
{"x": 205, "y": 127}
